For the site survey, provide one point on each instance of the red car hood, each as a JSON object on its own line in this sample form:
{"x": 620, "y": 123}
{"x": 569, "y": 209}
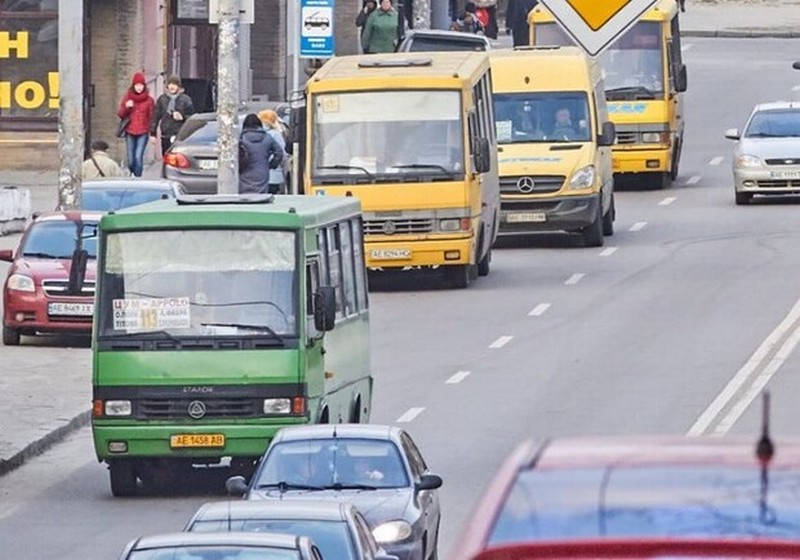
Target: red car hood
{"x": 50, "y": 269}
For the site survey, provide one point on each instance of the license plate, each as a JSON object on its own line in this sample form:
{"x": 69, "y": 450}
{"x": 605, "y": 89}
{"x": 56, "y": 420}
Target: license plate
{"x": 197, "y": 440}
{"x": 70, "y": 309}
{"x": 207, "y": 163}
{"x": 522, "y": 217}
{"x": 390, "y": 254}
{"x": 785, "y": 174}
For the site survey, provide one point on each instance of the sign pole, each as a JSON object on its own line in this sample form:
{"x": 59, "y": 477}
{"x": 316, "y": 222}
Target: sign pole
{"x": 294, "y": 35}
{"x": 71, "y": 139}
{"x": 228, "y": 97}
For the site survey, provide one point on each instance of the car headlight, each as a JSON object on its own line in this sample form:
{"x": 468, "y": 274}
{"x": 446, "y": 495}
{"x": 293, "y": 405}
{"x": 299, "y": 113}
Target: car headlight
{"x": 454, "y": 224}
{"x": 21, "y": 283}
{"x": 583, "y": 178}
{"x": 277, "y": 406}
{"x": 745, "y": 160}
{"x": 118, "y": 408}
{"x": 654, "y": 138}
{"x": 391, "y": 532}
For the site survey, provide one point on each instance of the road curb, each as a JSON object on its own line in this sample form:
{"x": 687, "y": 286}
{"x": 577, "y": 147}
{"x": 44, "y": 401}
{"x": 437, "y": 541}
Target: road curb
{"x": 725, "y": 34}
{"x": 43, "y": 444}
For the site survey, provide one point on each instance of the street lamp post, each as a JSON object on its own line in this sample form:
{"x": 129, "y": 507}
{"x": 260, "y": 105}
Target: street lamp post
{"x": 228, "y": 97}
{"x": 70, "y": 111}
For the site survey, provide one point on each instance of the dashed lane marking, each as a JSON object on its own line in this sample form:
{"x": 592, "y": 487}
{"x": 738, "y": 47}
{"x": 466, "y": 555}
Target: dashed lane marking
{"x": 500, "y": 342}
{"x": 458, "y": 377}
{"x": 410, "y": 414}
{"x": 693, "y": 180}
{"x": 716, "y": 160}
{"x": 638, "y": 226}
{"x": 608, "y": 251}
{"x": 667, "y": 201}
{"x": 574, "y": 279}
{"x": 539, "y": 310}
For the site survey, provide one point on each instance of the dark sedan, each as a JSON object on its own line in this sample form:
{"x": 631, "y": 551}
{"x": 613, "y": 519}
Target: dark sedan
{"x": 106, "y": 195}
{"x": 338, "y": 529}
{"x": 221, "y": 546}
{"x": 379, "y": 469}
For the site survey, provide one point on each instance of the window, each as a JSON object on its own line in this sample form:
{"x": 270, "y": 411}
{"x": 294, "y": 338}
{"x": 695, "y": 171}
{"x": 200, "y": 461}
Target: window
{"x": 312, "y": 285}
{"x": 418, "y": 466}
{"x": 348, "y": 272}
{"x": 358, "y": 261}
{"x": 335, "y": 268}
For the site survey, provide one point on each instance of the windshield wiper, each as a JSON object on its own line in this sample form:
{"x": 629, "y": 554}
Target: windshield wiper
{"x": 340, "y": 486}
{"x": 631, "y": 90}
{"x": 266, "y": 328}
{"x": 157, "y": 333}
{"x": 43, "y": 256}
{"x": 764, "y": 135}
{"x": 423, "y": 166}
{"x": 283, "y": 486}
{"x": 346, "y": 167}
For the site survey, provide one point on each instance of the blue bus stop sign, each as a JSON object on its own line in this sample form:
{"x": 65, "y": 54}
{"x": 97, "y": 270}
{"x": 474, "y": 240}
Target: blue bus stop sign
{"x": 316, "y": 28}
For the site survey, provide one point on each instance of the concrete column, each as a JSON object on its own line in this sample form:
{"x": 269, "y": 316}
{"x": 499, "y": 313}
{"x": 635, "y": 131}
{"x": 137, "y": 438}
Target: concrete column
{"x": 228, "y": 97}
{"x": 70, "y": 113}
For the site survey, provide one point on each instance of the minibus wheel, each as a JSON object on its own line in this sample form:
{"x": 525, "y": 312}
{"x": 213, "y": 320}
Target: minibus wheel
{"x": 608, "y": 218}
{"x": 593, "y": 233}
{"x": 122, "y": 478}
{"x": 458, "y": 276}
{"x": 484, "y": 266}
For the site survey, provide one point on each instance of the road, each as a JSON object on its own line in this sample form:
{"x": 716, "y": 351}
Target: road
{"x": 641, "y": 336}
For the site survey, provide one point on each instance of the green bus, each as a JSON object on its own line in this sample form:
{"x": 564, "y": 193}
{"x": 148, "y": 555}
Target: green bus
{"x": 219, "y": 320}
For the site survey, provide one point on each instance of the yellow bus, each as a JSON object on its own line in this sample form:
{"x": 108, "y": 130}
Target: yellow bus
{"x": 412, "y": 136}
{"x": 645, "y": 78}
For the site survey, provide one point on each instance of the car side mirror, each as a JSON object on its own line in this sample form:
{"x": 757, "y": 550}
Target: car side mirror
{"x": 325, "y": 309}
{"x": 796, "y": 65}
{"x": 483, "y": 158}
{"x": 6, "y": 255}
{"x": 608, "y": 134}
{"x": 236, "y": 486}
{"x": 429, "y": 482}
{"x": 681, "y": 78}
{"x": 732, "y": 134}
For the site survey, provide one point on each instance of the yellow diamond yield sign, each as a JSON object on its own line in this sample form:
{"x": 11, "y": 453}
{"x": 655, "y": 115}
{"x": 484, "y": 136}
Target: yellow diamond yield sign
{"x": 596, "y": 13}
{"x": 595, "y": 24}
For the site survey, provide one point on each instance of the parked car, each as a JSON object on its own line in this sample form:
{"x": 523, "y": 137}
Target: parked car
{"x": 192, "y": 158}
{"x": 379, "y": 469}
{"x": 41, "y": 293}
{"x": 338, "y": 529}
{"x": 766, "y": 158}
{"x": 105, "y": 195}
{"x": 221, "y": 546}
{"x": 421, "y": 40}
{"x": 622, "y": 494}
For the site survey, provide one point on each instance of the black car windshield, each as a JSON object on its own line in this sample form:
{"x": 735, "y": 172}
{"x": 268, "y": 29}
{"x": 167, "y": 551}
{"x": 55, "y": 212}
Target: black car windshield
{"x": 106, "y": 200}
{"x": 332, "y": 537}
{"x": 215, "y": 552}
{"x": 337, "y": 463}
{"x": 774, "y": 123}
{"x": 59, "y": 239}
{"x": 427, "y": 44}
{"x": 542, "y": 117}
{"x": 633, "y": 502}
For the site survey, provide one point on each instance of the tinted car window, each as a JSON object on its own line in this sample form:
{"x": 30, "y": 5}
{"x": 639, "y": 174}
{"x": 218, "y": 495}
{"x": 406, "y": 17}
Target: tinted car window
{"x": 335, "y": 463}
{"x": 332, "y": 537}
{"x": 687, "y": 501}
{"x": 215, "y": 553}
{"x": 58, "y": 240}
{"x": 105, "y": 200}
{"x": 422, "y": 44}
{"x": 199, "y": 130}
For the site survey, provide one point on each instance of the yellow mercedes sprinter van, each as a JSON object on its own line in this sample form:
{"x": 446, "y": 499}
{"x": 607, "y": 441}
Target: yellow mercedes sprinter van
{"x": 554, "y": 139}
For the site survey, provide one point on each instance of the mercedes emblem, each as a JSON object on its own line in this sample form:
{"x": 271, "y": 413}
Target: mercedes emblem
{"x": 525, "y": 185}
{"x": 389, "y": 227}
{"x": 197, "y": 409}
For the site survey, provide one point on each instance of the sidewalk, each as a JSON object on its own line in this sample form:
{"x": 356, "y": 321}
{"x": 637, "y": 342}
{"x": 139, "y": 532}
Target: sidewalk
{"x": 40, "y": 404}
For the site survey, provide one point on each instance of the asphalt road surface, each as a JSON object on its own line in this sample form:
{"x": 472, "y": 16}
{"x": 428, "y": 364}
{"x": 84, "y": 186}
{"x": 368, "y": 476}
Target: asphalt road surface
{"x": 673, "y": 327}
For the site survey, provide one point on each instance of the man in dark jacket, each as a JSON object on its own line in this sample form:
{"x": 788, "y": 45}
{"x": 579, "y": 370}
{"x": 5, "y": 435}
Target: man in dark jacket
{"x": 173, "y": 107}
{"x": 262, "y": 154}
{"x": 517, "y": 20}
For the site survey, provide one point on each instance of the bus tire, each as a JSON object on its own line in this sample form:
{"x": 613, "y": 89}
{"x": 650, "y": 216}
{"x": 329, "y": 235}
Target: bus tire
{"x": 459, "y": 276}
{"x": 485, "y": 264}
{"x": 676, "y": 158}
{"x": 122, "y": 478}
{"x": 593, "y": 233}
{"x": 663, "y": 180}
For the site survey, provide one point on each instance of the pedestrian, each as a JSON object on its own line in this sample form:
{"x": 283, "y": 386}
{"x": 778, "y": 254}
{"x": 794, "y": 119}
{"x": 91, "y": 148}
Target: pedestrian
{"x": 367, "y": 8}
{"x": 172, "y": 109}
{"x": 682, "y": 5}
{"x": 517, "y": 20}
{"x": 138, "y": 106}
{"x": 468, "y": 23}
{"x": 99, "y": 164}
{"x": 380, "y": 32}
{"x": 486, "y": 12}
{"x": 274, "y": 127}
{"x": 261, "y": 154}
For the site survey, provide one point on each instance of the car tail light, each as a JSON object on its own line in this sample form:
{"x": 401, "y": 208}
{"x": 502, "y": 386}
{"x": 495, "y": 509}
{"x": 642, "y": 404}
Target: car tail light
{"x": 176, "y": 160}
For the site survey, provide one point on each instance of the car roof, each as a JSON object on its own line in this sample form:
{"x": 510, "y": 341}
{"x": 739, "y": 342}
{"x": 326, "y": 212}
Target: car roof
{"x": 277, "y": 540}
{"x": 327, "y": 431}
{"x": 458, "y": 36}
{"x": 316, "y": 510}
{"x": 68, "y": 216}
{"x": 130, "y": 182}
{"x": 772, "y": 105}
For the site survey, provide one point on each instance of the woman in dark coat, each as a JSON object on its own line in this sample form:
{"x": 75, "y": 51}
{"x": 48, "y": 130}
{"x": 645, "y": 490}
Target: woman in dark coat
{"x": 261, "y": 153}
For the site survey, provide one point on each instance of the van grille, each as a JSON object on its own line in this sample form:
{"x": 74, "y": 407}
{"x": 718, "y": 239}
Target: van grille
{"x": 541, "y": 184}
{"x": 624, "y": 138}
{"x": 59, "y": 288}
{"x": 779, "y": 184}
{"x": 398, "y": 226}
{"x": 239, "y": 407}
{"x": 783, "y": 161}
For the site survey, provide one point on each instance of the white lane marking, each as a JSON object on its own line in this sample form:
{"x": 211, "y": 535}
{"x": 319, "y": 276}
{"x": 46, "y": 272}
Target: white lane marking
{"x": 796, "y": 88}
{"x": 574, "y": 279}
{"x": 539, "y": 310}
{"x": 608, "y": 251}
{"x": 667, "y": 201}
{"x": 743, "y": 375}
{"x": 716, "y": 160}
{"x": 458, "y": 377}
{"x": 410, "y": 414}
{"x": 687, "y": 47}
{"x": 500, "y": 342}
{"x": 758, "y": 384}
{"x": 638, "y": 226}
{"x": 693, "y": 180}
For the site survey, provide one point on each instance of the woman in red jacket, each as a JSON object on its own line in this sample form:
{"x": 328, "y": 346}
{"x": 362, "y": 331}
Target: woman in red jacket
{"x": 139, "y": 106}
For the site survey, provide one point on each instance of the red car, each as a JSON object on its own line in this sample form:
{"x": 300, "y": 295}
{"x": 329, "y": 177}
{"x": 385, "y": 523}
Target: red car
{"x": 640, "y": 497}
{"x": 38, "y": 294}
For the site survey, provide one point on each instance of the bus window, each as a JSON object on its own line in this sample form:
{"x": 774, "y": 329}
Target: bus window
{"x": 348, "y": 272}
{"x": 634, "y": 64}
{"x": 358, "y": 261}
{"x": 551, "y": 34}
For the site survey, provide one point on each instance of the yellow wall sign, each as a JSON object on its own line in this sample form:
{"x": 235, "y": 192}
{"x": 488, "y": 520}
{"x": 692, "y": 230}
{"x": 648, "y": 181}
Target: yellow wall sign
{"x": 25, "y": 94}
{"x": 594, "y": 24}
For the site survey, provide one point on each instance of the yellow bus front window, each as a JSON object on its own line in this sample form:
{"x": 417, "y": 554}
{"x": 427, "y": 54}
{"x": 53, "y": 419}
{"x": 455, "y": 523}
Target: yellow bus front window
{"x": 384, "y": 136}
{"x": 634, "y": 64}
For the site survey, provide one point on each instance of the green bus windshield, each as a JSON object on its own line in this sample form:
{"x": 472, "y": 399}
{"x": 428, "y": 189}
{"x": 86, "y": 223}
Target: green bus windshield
{"x": 199, "y": 283}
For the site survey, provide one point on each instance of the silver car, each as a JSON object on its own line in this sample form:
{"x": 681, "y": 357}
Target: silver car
{"x": 766, "y": 159}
